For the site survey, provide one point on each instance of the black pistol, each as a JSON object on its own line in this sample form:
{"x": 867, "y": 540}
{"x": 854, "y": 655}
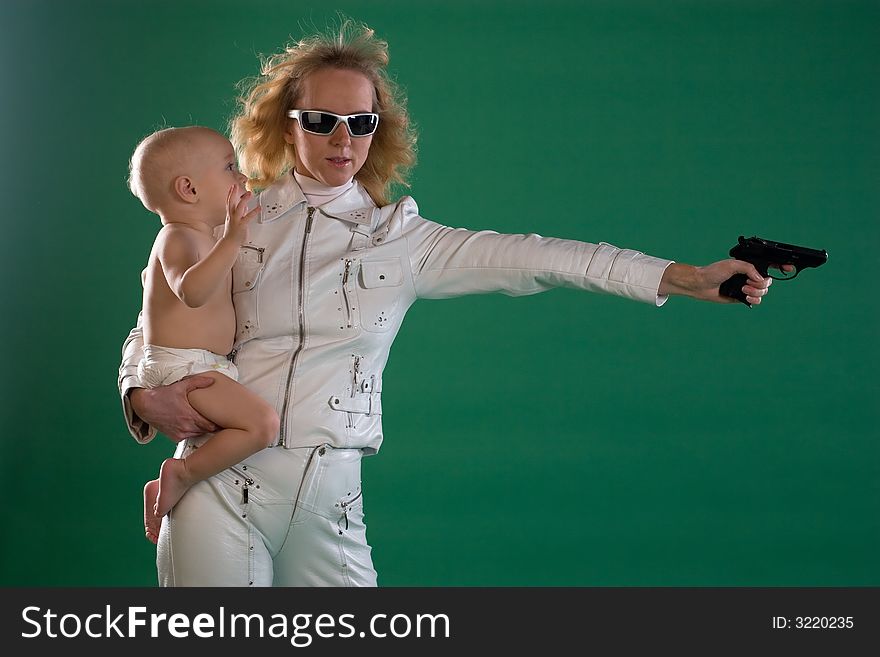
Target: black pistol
{"x": 764, "y": 253}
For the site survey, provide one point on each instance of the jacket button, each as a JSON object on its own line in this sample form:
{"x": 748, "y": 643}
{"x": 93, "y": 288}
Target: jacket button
{"x": 248, "y": 284}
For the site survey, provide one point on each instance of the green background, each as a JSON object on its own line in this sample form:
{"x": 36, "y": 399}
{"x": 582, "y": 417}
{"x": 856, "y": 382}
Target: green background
{"x": 561, "y": 439}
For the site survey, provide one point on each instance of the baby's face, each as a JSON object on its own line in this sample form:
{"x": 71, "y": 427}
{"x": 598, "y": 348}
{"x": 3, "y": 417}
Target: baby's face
{"x": 217, "y": 174}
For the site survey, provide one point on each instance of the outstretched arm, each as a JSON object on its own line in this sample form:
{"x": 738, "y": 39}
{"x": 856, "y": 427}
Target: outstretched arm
{"x": 448, "y": 262}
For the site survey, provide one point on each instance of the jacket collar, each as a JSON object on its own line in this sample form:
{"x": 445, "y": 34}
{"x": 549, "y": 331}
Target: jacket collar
{"x": 285, "y": 194}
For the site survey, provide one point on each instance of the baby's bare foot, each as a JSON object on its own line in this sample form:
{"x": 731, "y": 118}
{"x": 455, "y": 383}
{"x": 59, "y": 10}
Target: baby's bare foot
{"x": 152, "y": 522}
{"x": 172, "y": 485}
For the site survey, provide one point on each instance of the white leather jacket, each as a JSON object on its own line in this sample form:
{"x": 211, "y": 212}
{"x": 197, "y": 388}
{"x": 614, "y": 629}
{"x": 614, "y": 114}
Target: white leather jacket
{"x": 320, "y": 294}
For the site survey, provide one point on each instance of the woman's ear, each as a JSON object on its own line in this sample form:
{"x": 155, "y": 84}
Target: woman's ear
{"x": 185, "y": 189}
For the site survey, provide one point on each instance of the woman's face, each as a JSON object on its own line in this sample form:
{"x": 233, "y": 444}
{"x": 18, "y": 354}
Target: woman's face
{"x": 332, "y": 159}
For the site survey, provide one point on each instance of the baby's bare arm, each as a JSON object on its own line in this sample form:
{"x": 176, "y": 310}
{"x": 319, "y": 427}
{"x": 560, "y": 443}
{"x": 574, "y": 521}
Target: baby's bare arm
{"x": 195, "y": 280}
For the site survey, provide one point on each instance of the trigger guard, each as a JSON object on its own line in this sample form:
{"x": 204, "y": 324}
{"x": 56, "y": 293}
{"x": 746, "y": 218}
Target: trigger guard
{"x": 786, "y": 278}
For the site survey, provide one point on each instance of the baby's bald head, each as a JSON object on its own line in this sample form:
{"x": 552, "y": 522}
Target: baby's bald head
{"x": 160, "y": 158}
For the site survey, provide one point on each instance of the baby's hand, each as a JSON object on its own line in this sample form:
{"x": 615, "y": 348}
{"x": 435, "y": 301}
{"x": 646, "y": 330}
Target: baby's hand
{"x": 237, "y": 217}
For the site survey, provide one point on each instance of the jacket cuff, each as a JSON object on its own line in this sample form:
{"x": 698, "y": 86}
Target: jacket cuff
{"x": 660, "y": 299}
{"x": 139, "y": 430}
{"x": 631, "y": 274}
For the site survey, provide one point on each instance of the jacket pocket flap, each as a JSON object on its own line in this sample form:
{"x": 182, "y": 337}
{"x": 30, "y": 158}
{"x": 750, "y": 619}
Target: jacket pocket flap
{"x": 381, "y": 273}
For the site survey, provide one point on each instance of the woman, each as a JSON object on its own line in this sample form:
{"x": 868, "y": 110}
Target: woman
{"x": 320, "y": 290}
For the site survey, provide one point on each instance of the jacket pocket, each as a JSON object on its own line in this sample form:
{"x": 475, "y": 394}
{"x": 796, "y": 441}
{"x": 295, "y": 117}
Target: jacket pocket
{"x": 246, "y": 274}
{"x": 379, "y": 288}
{"x": 362, "y": 397}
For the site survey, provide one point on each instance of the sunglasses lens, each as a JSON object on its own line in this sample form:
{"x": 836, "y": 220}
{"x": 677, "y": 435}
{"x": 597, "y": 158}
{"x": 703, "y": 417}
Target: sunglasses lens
{"x": 318, "y": 122}
{"x": 363, "y": 124}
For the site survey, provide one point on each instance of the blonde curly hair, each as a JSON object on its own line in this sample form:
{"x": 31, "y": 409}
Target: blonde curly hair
{"x": 257, "y": 131}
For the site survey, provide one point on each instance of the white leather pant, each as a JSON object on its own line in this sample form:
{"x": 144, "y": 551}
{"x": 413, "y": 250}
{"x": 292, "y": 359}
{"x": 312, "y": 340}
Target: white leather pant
{"x": 283, "y": 517}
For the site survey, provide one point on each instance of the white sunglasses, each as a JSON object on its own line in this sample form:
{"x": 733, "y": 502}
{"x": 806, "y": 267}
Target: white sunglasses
{"x": 319, "y": 122}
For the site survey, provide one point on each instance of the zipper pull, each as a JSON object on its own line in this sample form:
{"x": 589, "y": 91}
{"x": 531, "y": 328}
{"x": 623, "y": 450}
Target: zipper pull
{"x": 244, "y": 490}
{"x": 345, "y": 517}
{"x": 357, "y": 373}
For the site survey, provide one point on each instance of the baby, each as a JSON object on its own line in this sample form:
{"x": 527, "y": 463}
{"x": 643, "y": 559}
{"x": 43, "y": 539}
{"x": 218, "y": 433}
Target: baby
{"x": 189, "y": 177}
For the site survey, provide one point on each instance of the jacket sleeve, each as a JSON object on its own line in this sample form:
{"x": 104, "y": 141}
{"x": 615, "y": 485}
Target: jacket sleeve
{"x": 132, "y": 351}
{"x": 450, "y": 262}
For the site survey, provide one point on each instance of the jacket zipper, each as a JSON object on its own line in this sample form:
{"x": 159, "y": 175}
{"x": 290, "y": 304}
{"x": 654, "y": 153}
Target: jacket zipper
{"x": 357, "y": 375}
{"x": 345, "y": 274}
{"x": 347, "y": 504}
{"x": 302, "y": 328}
{"x": 355, "y": 383}
{"x": 352, "y": 500}
{"x": 246, "y": 482}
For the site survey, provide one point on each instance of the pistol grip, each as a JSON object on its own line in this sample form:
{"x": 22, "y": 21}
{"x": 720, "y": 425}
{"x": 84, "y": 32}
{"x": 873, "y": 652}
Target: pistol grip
{"x": 732, "y": 288}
